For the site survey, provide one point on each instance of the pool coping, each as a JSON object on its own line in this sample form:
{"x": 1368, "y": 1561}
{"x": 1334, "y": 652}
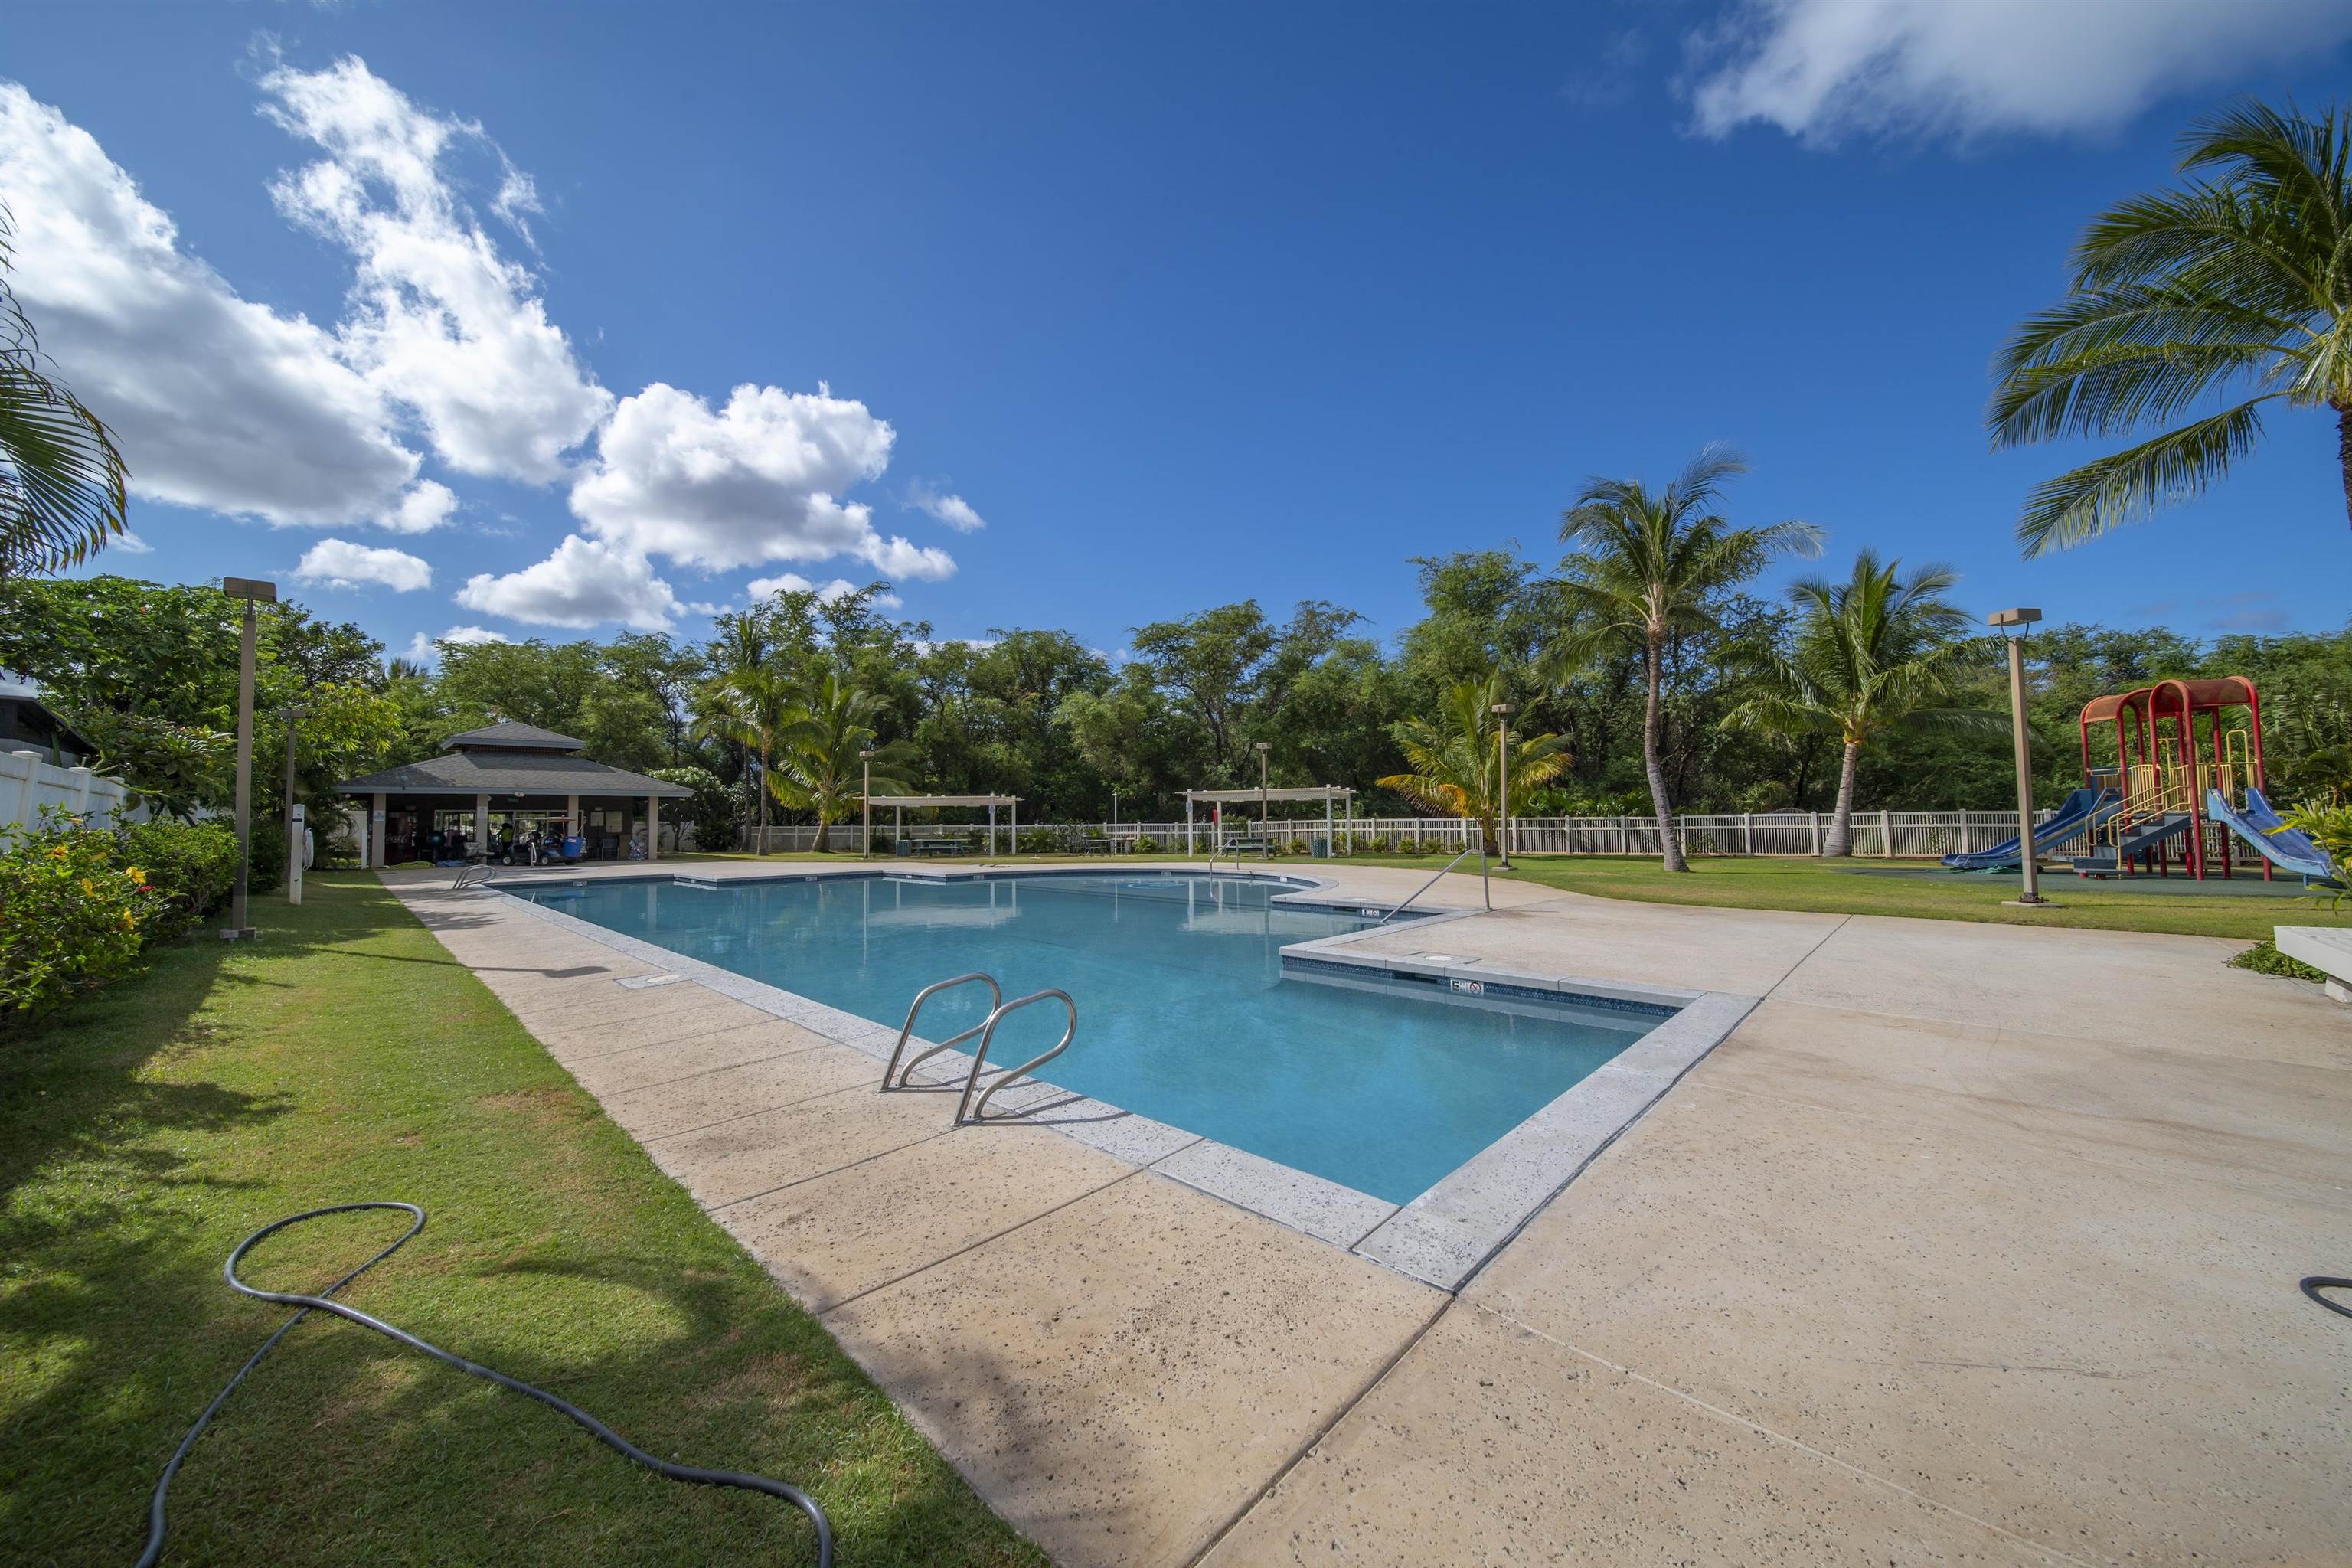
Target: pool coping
{"x": 1441, "y": 1238}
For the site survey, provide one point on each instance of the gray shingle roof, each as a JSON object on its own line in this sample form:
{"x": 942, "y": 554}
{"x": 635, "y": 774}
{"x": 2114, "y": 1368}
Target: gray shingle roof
{"x": 513, "y": 734}
{"x": 511, "y": 773}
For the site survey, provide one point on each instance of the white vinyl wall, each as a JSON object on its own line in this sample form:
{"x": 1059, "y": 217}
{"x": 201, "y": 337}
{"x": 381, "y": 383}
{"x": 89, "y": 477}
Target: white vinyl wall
{"x": 28, "y": 784}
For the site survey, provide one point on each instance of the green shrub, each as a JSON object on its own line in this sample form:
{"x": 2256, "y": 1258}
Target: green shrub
{"x": 715, "y": 808}
{"x": 269, "y": 864}
{"x": 72, "y": 916}
{"x": 191, "y": 866}
{"x": 2264, "y": 958}
{"x": 1147, "y": 844}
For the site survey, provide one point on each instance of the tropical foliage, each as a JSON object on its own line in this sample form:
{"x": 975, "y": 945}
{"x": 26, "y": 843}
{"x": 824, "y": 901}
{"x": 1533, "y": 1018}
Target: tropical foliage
{"x": 1648, "y": 566}
{"x": 1876, "y": 653}
{"x": 72, "y": 914}
{"x": 1456, "y": 762}
{"x": 825, "y": 767}
{"x": 62, "y": 482}
{"x": 2235, "y": 289}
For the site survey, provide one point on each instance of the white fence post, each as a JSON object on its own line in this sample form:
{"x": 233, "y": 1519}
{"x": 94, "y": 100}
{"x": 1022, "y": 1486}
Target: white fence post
{"x": 1817, "y": 832}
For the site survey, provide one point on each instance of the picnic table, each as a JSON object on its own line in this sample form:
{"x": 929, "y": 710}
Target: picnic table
{"x": 921, "y": 846}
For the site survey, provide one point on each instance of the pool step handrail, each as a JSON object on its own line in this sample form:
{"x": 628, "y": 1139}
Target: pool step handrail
{"x": 969, "y": 1112}
{"x": 480, "y": 876}
{"x": 995, "y": 1005}
{"x": 1486, "y": 887}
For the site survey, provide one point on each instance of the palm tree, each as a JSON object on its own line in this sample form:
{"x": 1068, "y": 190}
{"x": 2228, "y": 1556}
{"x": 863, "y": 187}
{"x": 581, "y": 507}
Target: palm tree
{"x": 820, "y": 769}
{"x": 755, "y": 705}
{"x": 62, "y": 482}
{"x": 2236, "y": 288}
{"x": 1454, "y": 762}
{"x": 1875, "y": 653}
{"x": 1643, "y": 568}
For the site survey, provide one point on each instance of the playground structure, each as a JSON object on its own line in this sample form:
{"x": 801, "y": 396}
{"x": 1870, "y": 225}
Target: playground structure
{"x": 2177, "y": 793}
{"x": 2166, "y": 774}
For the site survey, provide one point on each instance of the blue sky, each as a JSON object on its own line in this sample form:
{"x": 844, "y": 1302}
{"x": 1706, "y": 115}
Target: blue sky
{"x": 1084, "y": 317}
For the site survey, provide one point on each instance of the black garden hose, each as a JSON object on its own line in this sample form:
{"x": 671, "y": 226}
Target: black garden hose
{"x": 2318, "y": 1282}
{"x": 321, "y": 1302}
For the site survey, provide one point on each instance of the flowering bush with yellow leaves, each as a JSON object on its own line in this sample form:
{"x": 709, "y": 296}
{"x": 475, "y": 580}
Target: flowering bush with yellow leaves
{"x": 73, "y": 914}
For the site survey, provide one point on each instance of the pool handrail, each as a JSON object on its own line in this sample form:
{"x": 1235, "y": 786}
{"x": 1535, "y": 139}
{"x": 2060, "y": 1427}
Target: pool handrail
{"x": 995, "y": 1002}
{"x": 967, "y": 1112}
{"x": 1486, "y": 887}
{"x": 482, "y": 874}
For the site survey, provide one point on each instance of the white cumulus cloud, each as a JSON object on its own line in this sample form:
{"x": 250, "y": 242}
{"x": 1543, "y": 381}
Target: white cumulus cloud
{"x": 1822, "y": 68}
{"x": 218, "y": 403}
{"x": 758, "y": 479}
{"x": 585, "y": 583}
{"x": 129, "y": 543}
{"x": 423, "y": 507}
{"x": 952, "y": 510}
{"x": 826, "y": 593}
{"x": 440, "y": 320}
{"x": 422, "y": 648}
{"x": 339, "y": 563}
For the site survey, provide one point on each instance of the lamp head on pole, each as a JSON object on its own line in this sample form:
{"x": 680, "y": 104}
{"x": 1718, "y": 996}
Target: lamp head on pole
{"x": 2012, "y": 623}
{"x": 251, "y": 588}
{"x": 1263, "y": 747}
{"x": 1504, "y": 709}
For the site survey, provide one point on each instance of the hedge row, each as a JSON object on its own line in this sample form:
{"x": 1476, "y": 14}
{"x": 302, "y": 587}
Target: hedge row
{"x": 78, "y": 904}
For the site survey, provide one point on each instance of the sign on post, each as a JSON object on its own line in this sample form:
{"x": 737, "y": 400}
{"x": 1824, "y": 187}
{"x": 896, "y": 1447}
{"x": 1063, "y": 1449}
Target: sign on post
{"x": 295, "y": 832}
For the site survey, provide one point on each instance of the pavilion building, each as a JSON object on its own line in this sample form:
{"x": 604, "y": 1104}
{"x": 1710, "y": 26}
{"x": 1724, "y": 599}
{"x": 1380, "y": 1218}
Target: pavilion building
{"x": 503, "y": 781}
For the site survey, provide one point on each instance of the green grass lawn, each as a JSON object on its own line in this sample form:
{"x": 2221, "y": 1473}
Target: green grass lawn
{"x": 347, "y": 1056}
{"x": 1861, "y": 887}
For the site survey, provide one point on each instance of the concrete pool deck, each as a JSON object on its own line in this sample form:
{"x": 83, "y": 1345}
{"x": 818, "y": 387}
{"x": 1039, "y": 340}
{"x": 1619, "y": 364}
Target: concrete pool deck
{"x": 1970, "y": 1243}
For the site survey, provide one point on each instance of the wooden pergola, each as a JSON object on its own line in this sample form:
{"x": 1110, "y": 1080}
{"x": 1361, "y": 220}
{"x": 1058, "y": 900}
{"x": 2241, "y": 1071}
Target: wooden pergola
{"x": 1326, "y": 794}
{"x": 898, "y": 805}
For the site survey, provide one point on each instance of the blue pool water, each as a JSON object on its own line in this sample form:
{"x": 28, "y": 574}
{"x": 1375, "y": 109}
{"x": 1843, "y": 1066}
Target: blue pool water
{"x": 1185, "y": 1013}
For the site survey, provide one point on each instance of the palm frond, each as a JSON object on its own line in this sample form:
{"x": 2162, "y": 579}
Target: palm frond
{"x": 2088, "y": 502}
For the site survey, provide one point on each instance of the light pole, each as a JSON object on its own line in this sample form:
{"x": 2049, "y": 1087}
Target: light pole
{"x": 865, "y": 799}
{"x": 293, "y": 828}
{"x": 1503, "y": 711}
{"x": 2012, "y": 625}
{"x": 1265, "y": 844}
{"x": 252, "y": 592}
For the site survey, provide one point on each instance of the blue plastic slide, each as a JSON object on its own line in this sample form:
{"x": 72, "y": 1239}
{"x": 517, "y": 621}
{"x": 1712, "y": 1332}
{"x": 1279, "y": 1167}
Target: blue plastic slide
{"x": 2286, "y": 848}
{"x": 2083, "y": 808}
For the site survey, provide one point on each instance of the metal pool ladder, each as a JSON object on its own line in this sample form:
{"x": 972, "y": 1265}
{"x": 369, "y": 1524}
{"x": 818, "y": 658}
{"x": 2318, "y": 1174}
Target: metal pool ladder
{"x": 480, "y": 876}
{"x": 967, "y": 1109}
{"x": 1486, "y": 888}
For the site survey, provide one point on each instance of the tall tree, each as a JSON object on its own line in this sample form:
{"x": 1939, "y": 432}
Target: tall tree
{"x": 756, "y": 707}
{"x": 822, "y": 770}
{"x": 1454, "y": 761}
{"x": 1641, "y": 569}
{"x": 2236, "y": 287}
{"x": 1876, "y": 653}
{"x": 62, "y": 481}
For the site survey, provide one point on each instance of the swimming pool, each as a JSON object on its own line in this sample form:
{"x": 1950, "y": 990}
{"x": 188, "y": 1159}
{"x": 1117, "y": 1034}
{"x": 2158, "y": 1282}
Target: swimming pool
{"x": 1185, "y": 1012}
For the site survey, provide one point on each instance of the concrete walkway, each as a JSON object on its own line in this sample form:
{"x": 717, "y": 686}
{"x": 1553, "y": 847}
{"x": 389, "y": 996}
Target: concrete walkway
{"x": 1971, "y": 1244}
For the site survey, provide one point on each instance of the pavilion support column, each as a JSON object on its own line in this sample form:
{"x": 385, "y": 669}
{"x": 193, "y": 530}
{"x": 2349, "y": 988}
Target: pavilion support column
{"x": 653, "y": 828}
{"x": 377, "y": 854}
{"x": 482, "y": 826}
{"x": 571, "y": 821}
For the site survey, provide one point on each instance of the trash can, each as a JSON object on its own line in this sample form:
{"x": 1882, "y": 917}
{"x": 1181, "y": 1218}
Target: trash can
{"x": 904, "y": 846}
{"x": 1320, "y": 846}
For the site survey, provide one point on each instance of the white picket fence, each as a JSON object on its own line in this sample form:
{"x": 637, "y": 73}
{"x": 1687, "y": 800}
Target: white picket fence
{"x": 28, "y": 784}
{"x": 1889, "y": 835}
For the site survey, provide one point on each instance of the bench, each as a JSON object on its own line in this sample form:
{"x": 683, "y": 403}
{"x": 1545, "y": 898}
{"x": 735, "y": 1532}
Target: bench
{"x": 921, "y": 846}
{"x": 2327, "y": 949}
{"x": 1095, "y": 844}
{"x": 1256, "y": 847}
